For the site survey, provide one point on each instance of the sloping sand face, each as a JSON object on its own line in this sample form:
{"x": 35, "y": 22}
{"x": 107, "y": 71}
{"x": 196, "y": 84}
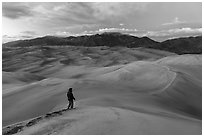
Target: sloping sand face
{"x": 141, "y": 97}
{"x": 19, "y": 77}
{"x": 181, "y": 60}
{"x": 141, "y": 75}
{"x": 34, "y": 99}
{"x": 113, "y": 121}
{"x": 185, "y": 93}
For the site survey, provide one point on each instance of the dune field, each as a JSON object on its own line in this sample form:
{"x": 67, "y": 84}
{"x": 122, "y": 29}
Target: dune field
{"x": 118, "y": 91}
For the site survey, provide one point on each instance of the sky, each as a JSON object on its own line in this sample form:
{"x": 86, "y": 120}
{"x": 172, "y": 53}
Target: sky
{"x": 157, "y": 20}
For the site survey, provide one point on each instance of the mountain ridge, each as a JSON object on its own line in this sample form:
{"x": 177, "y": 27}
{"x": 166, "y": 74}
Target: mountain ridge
{"x": 181, "y": 45}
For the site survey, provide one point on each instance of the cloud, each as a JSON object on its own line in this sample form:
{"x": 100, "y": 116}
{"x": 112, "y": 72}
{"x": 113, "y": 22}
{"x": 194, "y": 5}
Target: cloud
{"x": 23, "y": 35}
{"x": 121, "y": 30}
{"x": 6, "y": 38}
{"x": 75, "y": 18}
{"x": 15, "y": 10}
{"x": 173, "y": 33}
{"x": 174, "y": 22}
{"x": 106, "y": 10}
{"x": 64, "y": 34}
{"x": 64, "y": 14}
{"x": 32, "y": 33}
{"x": 93, "y": 13}
{"x": 73, "y": 13}
{"x": 185, "y": 30}
{"x": 117, "y": 30}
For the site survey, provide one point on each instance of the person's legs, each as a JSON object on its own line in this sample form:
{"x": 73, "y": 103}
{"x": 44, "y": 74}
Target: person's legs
{"x": 69, "y": 105}
{"x": 72, "y": 104}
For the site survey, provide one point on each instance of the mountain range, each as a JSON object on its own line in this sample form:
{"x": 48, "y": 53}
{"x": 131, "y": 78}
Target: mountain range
{"x": 185, "y": 45}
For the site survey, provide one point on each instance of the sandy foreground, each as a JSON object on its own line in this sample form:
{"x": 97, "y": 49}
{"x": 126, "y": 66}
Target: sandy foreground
{"x": 141, "y": 97}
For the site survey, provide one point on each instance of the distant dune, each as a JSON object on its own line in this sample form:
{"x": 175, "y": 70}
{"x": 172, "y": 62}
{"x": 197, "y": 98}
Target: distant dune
{"x": 19, "y": 77}
{"x": 158, "y": 94}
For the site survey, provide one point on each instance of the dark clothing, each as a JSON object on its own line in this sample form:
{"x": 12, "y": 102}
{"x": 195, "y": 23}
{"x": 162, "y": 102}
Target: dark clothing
{"x": 71, "y": 104}
{"x": 70, "y": 98}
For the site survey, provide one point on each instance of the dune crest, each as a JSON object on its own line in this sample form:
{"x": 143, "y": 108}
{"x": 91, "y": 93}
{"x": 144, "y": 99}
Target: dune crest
{"x": 142, "y": 75}
{"x": 122, "y": 99}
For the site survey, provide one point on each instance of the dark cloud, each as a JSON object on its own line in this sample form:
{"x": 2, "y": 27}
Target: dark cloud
{"x": 15, "y": 10}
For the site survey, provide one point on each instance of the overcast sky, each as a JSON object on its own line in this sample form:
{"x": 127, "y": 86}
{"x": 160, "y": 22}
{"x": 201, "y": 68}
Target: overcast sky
{"x": 159, "y": 21}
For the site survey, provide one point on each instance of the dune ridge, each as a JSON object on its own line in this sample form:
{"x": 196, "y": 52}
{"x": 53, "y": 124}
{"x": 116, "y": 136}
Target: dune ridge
{"x": 125, "y": 99}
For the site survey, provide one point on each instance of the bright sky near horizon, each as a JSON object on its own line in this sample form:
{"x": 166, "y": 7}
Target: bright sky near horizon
{"x": 157, "y": 20}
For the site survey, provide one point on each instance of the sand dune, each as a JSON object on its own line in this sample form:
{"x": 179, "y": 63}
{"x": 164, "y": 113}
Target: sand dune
{"x": 113, "y": 121}
{"x": 142, "y": 75}
{"x": 181, "y": 60}
{"x": 123, "y": 99}
{"x": 14, "y": 80}
{"x": 19, "y": 77}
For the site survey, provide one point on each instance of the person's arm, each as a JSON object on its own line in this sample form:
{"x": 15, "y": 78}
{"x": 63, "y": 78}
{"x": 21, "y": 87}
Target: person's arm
{"x": 73, "y": 97}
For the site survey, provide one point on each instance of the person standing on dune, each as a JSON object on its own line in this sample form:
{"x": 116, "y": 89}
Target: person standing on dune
{"x": 70, "y": 98}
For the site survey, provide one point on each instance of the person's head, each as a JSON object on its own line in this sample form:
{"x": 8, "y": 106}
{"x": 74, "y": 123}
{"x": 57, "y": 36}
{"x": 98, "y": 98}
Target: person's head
{"x": 70, "y": 89}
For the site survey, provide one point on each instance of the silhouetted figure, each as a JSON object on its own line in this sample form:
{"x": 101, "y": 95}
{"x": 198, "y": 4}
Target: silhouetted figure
{"x": 70, "y": 97}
